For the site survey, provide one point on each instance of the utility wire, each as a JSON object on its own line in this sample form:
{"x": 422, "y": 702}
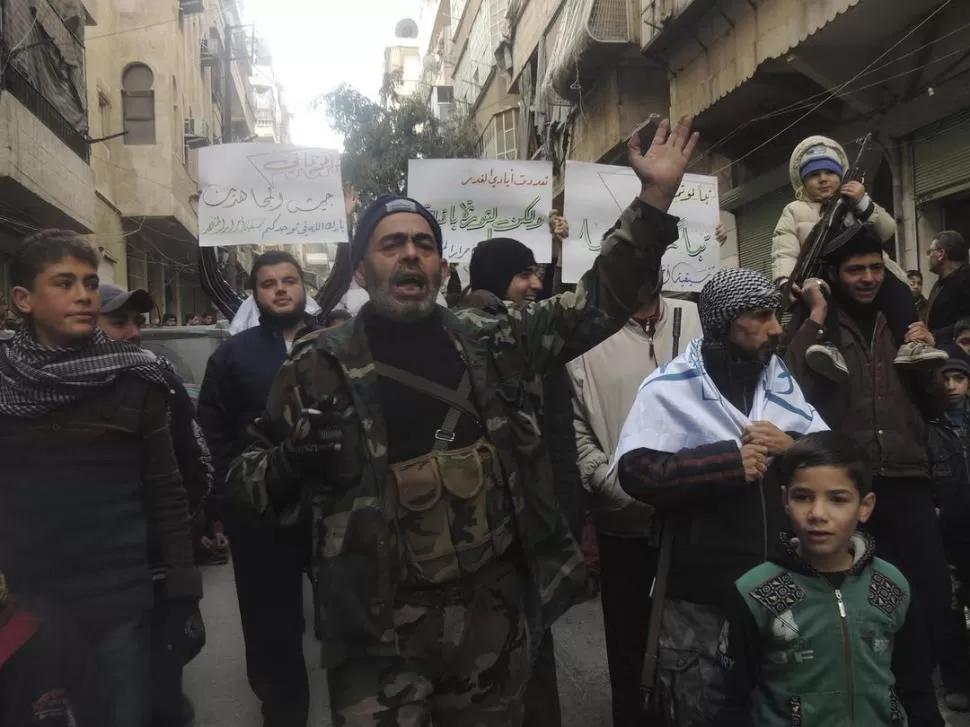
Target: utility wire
{"x": 834, "y": 93}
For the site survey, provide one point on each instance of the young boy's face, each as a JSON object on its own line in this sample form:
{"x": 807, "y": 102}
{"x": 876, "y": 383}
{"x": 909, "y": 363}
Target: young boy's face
{"x": 822, "y": 185}
{"x": 63, "y": 305}
{"x": 956, "y": 387}
{"x": 825, "y": 508}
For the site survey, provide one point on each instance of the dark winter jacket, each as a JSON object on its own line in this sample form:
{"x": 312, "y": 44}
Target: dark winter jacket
{"x": 949, "y": 304}
{"x": 191, "y": 450}
{"x": 950, "y": 454}
{"x": 237, "y": 381}
{"x": 880, "y": 406}
{"x": 77, "y": 517}
{"x": 809, "y": 649}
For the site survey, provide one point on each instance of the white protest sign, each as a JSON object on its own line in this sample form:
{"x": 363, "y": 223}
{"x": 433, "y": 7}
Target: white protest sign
{"x": 258, "y": 194}
{"x": 477, "y": 199}
{"x": 596, "y": 195}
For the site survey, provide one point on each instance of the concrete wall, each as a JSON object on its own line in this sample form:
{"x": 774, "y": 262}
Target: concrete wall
{"x": 621, "y": 100}
{"x": 536, "y": 17}
{"x": 702, "y": 76}
{"x": 152, "y": 180}
{"x": 34, "y": 158}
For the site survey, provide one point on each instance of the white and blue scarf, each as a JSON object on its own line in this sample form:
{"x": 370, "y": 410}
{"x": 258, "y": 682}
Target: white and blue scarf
{"x": 679, "y": 407}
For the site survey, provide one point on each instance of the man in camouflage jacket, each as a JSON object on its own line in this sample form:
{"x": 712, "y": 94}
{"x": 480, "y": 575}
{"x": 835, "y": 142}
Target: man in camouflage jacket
{"x": 413, "y": 631}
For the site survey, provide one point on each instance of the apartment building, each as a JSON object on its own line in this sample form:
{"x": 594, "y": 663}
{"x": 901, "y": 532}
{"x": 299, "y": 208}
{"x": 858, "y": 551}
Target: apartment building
{"x": 45, "y": 145}
{"x": 272, "y": 116}
{"x": 159, "y": 77}
{"x": 758, "y": 75}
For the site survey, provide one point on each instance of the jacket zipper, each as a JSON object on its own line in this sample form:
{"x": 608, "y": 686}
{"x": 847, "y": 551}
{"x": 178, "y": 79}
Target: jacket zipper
{"x": 764, "y": 517}
{"x": 847, "y": 655}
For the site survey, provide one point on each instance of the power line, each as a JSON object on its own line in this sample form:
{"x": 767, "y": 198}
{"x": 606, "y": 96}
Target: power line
{"x": 834, "y": 93}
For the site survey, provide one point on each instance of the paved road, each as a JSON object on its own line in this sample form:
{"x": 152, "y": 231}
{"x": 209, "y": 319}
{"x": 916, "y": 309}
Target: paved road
{"x": 216, "y": 681}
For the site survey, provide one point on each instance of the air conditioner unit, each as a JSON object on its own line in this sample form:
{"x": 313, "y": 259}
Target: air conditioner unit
{"x": 195, "y": 133}
{"x": 191, "y": 7}
{"x": 444, "y": 94}
{"x": 443, "y": 111}
{"x": 207, "y": 52}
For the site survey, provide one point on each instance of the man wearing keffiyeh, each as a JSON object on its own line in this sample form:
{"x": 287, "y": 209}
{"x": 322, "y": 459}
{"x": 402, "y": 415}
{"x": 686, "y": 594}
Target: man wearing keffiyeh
{"x": 698, "y": 446}
{"x": 96, "y": 482}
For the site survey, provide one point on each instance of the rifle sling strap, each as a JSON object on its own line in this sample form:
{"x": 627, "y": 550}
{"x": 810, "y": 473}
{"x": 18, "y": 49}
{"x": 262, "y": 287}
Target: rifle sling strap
{"x": 458, "y": 400}
{"x": 651, "y": 659}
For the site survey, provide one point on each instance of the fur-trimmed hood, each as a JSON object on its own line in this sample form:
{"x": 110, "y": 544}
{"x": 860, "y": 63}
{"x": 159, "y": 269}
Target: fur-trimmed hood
{"x": 795, "y": 162}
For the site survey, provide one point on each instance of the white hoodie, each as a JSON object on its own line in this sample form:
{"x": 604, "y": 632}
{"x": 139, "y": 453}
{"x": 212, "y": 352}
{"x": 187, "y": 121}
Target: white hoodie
{"x": 605, "y": 381}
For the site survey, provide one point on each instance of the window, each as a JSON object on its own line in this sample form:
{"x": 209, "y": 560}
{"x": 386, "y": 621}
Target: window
{"x": 138, "y": 99}
{"x": 104, "y": 113}
{"x": 500, "y": 138}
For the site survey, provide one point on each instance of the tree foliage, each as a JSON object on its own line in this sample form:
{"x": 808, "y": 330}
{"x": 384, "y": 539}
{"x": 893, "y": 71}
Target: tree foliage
{"x": 380, "y": 137}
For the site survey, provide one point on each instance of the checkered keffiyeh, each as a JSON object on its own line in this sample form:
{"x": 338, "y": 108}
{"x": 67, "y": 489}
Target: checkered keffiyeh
{"x": 35, "y": 379}
{"x": 731, "y": 292}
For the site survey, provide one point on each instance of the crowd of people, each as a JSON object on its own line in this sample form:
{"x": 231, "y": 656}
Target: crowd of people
{"x": 775, "y": 518}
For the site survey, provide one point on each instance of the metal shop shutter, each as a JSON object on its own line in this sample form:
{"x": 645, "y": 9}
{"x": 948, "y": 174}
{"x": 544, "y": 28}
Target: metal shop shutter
{"x": 756, "y": 224}
{"x": 941, "y": 153}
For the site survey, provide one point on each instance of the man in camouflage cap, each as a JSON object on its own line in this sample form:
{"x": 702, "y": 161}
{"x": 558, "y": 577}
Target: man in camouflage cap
{"x": 439, "y": 545}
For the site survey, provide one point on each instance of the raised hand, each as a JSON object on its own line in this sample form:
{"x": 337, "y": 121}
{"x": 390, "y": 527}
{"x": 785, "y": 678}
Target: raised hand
{"x": 661, "y": 168}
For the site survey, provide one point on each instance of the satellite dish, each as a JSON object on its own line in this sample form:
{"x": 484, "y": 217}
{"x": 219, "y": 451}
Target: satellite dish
{"x": 406, "y": 28}
{"x": 432, "y": 62}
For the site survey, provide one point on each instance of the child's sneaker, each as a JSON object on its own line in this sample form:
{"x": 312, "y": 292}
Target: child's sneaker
{"x": 920, "y": 356}
{"x": 827, "y": 360}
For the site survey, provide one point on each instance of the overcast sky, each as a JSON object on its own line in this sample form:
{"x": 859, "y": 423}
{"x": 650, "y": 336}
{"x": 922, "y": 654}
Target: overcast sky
{"x": 319, "y": 44}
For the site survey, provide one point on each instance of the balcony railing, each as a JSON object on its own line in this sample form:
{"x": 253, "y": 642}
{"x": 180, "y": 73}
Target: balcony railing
{"x": 45, "y": 68}
{"x": 21, "y": 89}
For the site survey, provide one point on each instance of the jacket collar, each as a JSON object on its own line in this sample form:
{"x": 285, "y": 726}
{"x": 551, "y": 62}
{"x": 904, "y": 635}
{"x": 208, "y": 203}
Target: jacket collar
{"x": 786, "y": 554}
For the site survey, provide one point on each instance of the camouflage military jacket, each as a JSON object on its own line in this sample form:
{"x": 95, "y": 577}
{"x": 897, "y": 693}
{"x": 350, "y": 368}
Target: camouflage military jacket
{"x": 356, "y": 534}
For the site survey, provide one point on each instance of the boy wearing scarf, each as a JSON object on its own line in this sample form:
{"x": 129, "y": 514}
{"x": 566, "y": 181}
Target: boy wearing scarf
{"x": 96, "y": 482}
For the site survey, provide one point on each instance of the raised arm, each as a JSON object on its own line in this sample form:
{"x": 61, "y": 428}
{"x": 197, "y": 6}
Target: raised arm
{"x": 563, "y": 327}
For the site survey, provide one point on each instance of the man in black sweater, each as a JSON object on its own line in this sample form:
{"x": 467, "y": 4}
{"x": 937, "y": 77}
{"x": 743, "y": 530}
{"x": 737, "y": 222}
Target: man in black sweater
{"x": 79, "y": 521}
{"x": 269, "y": 562}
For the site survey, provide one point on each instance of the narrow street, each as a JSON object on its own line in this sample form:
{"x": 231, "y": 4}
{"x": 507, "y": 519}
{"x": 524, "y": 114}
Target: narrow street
{"x": 216, "y": 680}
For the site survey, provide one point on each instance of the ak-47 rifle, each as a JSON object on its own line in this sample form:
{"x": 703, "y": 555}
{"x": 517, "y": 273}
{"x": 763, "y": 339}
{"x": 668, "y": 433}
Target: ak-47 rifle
{"x": 809, "y": 263}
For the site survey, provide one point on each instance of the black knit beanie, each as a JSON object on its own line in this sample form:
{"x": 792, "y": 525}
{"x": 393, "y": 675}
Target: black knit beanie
{"x": 495, "y": 262}
{"x": 383, "y": 207}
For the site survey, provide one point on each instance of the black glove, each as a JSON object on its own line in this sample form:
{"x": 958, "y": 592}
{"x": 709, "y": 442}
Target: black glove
{"x": 184, "y": 629}
{"x": 315, "y": 436}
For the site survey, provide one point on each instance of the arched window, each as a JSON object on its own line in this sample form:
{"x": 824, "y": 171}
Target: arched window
{"x": 138, "y": 99}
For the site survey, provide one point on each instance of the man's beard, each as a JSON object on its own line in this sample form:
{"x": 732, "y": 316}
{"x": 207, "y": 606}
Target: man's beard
{"x": 406, "y": 311}
{"x": 282, "y": 320}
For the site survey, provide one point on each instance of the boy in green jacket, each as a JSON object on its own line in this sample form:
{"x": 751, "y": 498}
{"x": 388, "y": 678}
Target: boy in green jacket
{"x": 810, "y": 638}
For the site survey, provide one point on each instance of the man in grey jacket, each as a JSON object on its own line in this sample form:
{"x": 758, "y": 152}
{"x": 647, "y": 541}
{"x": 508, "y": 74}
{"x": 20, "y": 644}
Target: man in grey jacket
{"x": 605, "y": 382}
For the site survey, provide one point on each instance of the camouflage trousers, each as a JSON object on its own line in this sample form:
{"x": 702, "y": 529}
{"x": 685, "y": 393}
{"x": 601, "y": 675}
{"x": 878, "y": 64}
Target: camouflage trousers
{"x": 688, "y": 644}
{"x": 464, "y": 659}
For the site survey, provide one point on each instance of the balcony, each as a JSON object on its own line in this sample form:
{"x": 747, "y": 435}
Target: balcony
{"x": 590, "y": 42}
{"x": 45, "y": 69}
